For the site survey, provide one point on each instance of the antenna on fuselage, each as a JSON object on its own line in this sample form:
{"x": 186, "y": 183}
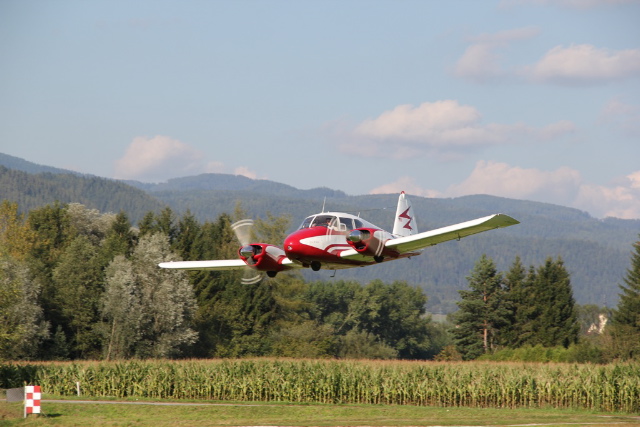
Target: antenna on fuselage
{"x": 323, "y": 203}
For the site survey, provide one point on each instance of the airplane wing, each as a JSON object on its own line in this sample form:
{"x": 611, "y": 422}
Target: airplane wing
{"x": 220, "y": 264}
{"x": 451, "y": 232}
{"x": 226, "y": 264}
{"x": 417, "y": 242}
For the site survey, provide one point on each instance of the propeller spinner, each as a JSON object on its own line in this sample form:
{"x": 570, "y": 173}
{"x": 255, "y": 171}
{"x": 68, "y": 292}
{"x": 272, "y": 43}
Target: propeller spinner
{"x": 243, "y": 229}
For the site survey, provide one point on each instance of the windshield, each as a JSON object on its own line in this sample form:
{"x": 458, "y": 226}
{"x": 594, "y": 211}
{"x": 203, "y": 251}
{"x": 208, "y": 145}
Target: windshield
{"x": 330, "y": 221}
{"x": 319, "y": 221}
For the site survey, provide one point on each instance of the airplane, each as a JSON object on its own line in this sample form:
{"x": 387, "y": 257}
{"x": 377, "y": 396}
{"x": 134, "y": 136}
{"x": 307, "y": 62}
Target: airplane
{"x": 338, "y": 240}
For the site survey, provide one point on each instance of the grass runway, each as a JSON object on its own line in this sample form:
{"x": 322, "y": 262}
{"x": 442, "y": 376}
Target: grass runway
{"x": 171, "y": 413}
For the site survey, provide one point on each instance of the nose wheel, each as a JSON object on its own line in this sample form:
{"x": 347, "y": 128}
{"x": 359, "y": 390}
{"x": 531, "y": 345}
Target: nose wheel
{"x": 315, "y": 265}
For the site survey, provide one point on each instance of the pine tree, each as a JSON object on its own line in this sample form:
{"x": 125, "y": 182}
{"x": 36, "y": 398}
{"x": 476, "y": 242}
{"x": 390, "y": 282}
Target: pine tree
{"x": 188, "y": 231}
{"x": 147, "y": 224}
{"x": 516, "y": 301}
{"x": 626, "y": 317}
{"x": 557, "y": 322}
{"x": 527, "y": 311}
{"x": 165, "y": 223}
{"x": 119, "y": 239}
{"x": 481, "y": 312}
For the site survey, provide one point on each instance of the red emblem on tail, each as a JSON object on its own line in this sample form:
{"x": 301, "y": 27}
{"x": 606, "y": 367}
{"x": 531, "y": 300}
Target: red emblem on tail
{"x": 406, "y": 215}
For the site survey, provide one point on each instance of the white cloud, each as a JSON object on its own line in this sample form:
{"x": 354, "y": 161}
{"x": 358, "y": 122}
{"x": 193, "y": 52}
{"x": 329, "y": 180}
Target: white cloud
{"x": 623, "y": 116}
{"x": 620, "y": 201}
{"x": 501, "y": 179}
{"x": 441, "y": 127}
{"x": 214, "y": 167}
{"x": 563, "y": 186}
{"x": 244, "y": 171}
{"x": 159, "y": 158}
{"x": 407, "y": 184}
{"x": 481, "y": 61}
{"x": 584, "y": 64}
{"x": 577, "y": 64}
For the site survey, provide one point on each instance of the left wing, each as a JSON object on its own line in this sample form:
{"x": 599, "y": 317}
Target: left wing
{"x": 219, "y": 264}
{"x": 226, "y": 264}
{"x": 457, "y": 231}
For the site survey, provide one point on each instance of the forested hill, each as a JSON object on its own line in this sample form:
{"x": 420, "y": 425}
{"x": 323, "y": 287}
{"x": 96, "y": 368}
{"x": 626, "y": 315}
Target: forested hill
{"x": 31, "y": 191}
{"x": 596, "y": 252}
{"x": 16, "y": 163}
{"x": 226, "y": 182}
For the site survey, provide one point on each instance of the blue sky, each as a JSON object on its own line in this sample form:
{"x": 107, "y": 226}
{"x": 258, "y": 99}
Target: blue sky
{"x": 527, "y": 99}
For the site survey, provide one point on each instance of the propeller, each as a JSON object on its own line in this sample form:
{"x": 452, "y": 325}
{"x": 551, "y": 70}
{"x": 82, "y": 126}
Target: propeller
{"x": 243, "y": 229}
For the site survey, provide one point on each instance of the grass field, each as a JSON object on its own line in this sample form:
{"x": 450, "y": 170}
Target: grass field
{"x": 328, "y": 392}
{"x": 133, "y": 413}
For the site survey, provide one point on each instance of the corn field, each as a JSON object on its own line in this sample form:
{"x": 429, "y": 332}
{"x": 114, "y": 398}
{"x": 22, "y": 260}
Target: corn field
{"x": 611, "y": 388}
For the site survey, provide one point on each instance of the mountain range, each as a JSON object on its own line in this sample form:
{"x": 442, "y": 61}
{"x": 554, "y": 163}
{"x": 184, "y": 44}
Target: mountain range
{"x": 596, "y": 252}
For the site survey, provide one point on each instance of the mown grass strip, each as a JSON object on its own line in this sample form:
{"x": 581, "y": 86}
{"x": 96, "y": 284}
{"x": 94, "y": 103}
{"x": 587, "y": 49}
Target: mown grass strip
{"x": 89, "y": 415}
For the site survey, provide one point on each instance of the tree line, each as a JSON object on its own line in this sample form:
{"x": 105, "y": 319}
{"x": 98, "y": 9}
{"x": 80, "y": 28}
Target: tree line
{"x": 76, "y": 283}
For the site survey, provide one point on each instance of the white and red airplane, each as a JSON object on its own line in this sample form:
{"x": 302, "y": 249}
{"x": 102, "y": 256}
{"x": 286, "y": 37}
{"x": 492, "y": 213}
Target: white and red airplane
{"x": 336, "y": 240}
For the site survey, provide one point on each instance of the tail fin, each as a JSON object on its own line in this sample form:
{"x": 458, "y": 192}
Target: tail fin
{"x": 405, "y": 223}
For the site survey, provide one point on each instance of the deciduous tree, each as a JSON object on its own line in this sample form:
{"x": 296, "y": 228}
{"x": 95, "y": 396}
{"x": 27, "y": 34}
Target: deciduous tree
{"x": 147, "y": 310}
{"x": 22, "y": 325}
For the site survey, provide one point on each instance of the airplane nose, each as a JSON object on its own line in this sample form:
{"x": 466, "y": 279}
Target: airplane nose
{"x": 289, "y": 245}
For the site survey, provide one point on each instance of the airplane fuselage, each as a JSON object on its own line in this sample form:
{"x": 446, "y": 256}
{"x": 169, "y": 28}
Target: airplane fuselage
{"x": 321, "y": 239}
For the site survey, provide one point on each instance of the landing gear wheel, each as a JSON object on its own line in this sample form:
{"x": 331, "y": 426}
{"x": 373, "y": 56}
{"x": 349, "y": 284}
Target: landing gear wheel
{"x": 315, "y": 265}
{"x": 378, "y": 258}
{"x": 272, "y": 274}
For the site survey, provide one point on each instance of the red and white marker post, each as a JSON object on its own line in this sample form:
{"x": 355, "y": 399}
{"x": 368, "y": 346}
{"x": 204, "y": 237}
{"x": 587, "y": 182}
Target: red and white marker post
{"x": 32, "y": 396}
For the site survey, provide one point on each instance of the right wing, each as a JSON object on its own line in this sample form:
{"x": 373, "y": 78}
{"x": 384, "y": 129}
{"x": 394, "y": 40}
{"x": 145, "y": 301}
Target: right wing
{"x": 420, "y": 241}
{"x": 224, "y": 264}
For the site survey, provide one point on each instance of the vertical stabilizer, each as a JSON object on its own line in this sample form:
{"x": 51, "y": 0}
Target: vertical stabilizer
{"x": 405, "y": 223}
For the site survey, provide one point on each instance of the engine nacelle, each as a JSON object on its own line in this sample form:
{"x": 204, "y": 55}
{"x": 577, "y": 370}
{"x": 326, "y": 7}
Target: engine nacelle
{"x": 370, "y": 242}
{"x": 262, "y": 256}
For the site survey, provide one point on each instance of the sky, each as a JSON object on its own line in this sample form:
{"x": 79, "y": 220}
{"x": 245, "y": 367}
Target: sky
{"x": 526, "y": 99}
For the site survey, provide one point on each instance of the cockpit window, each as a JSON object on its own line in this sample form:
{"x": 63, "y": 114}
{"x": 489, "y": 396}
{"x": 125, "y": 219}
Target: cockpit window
{"x": 306, "y": 223}
{"x": 319, "y": 221}
{"x": 324, "y": 221}
{"x": 347, "y": 222}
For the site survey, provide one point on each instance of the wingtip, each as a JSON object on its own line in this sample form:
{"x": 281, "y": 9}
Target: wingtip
{"x": 508, "y": 220}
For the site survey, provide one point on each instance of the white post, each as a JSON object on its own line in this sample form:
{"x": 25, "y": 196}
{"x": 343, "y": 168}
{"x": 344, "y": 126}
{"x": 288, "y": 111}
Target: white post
{"x": 78, "y": 387}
